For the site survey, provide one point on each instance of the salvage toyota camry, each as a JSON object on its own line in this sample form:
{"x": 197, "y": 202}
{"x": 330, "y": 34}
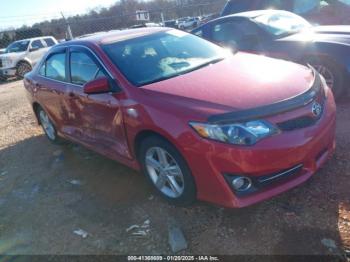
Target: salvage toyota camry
{"x": 200, "y": 122}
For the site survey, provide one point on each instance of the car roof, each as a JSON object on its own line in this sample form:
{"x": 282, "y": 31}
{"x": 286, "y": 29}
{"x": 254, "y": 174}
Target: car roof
{"x": 34, "y": 38}
{"x": 116, "y": 36}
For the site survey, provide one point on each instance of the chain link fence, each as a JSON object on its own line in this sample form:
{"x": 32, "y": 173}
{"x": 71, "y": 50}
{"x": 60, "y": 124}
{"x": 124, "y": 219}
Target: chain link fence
{"x": 105, "y": 20}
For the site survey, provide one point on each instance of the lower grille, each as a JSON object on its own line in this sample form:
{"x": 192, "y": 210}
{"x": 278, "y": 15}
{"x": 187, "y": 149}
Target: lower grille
{"x": 0, "y": 63}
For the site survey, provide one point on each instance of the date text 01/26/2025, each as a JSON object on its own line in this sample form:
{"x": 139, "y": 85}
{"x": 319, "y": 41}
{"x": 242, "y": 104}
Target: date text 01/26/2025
{"x": 173, "y": 258}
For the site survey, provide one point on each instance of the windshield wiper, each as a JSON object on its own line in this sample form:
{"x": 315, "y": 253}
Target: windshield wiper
{"x": 216, "y": 60}
{"x": 157, "y": 80}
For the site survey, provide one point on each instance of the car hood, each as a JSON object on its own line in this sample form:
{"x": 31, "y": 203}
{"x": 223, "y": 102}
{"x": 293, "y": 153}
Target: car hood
{"x": 12, "y": 55}
{"x": 331, "y": 34}
{"x": 239, "y": 82}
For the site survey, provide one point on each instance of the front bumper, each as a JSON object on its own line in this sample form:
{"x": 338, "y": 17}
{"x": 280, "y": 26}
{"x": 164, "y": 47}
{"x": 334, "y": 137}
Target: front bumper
{"x": 8, "y": 72}
{"x": 309, "y": 147}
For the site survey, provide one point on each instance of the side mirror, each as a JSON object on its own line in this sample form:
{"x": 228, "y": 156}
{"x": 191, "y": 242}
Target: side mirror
{"x": 33, "y": 49}
{"x": 97, "y": 86}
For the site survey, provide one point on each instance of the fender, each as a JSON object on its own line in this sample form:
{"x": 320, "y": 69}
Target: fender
{"x": 25, "y": 60}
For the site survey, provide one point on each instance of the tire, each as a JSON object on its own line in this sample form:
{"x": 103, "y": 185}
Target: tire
{"x": 22, "y": 69}
{"x": 177, "y": 170}
{"x": 48, "y": 127}
{"x": 328, "y": 68}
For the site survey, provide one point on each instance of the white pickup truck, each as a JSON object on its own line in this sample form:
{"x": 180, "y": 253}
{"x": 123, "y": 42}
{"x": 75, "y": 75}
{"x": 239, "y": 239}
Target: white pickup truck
{"x": 20, "y": 57}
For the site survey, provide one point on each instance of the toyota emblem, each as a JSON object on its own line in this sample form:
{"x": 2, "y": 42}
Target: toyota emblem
{"x": 316, "y": 109}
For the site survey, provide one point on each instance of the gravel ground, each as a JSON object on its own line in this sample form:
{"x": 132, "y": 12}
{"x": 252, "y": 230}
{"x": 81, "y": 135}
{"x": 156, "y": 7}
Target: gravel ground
{"x": 47, "y": 192}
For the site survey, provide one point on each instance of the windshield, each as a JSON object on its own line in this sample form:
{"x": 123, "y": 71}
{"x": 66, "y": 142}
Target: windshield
{"x": 347, "y": 2}
{"x": 282, "y": 24}
{"x": 161, "y": 56}
{"x": 19, "y": 46}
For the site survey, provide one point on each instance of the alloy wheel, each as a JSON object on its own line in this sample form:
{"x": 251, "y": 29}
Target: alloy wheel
{"x": 164, "y": 172}
{"x": 47, "y": 125}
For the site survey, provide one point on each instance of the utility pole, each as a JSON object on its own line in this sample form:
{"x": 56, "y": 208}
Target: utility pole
{"x": 69, "y": 31}
{"x": 162, "y": 16}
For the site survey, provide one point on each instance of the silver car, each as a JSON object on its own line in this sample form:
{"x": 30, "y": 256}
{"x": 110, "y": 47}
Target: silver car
{"x": 20, "y": 57}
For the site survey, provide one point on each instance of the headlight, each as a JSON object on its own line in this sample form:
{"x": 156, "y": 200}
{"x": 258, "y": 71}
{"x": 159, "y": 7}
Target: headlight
{"x": 247, "y": 133}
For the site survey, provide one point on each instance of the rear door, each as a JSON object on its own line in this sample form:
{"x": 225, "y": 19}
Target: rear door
{"x": 51, "y": 83}
{"x": 96, "y": 119}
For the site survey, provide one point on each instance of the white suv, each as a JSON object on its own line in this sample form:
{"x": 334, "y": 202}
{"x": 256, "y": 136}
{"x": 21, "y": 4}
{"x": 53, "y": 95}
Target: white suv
{"x": 188, "y": 23}
{"x": 21, "y": 56}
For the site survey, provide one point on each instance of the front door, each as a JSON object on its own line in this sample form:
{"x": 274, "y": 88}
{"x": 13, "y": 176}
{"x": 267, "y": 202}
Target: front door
{"x": 95, "y": 119}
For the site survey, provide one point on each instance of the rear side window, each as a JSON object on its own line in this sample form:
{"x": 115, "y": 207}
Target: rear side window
{"x": 55, "y": 67}
{"x": 37, "y": 44}
{"x": 49, "y": 41}
{"x": 83, "y": 68}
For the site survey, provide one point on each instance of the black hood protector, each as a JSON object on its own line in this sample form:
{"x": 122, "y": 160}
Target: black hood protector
{"x": 272, "y": 109}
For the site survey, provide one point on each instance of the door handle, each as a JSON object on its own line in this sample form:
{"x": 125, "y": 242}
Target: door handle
{"x": 72, "y": 95}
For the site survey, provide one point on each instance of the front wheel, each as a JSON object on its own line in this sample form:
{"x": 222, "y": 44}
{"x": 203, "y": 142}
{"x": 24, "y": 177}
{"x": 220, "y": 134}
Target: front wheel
{"x": 167, "y": 171}
{"x": 22, "y": 69}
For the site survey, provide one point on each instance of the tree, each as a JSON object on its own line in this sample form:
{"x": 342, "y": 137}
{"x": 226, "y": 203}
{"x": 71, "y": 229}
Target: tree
{"x": 5, "y": 40}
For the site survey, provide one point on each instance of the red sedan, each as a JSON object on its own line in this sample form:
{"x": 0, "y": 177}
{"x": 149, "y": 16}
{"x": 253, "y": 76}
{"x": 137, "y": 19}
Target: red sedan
{"x": 200, "y": 122}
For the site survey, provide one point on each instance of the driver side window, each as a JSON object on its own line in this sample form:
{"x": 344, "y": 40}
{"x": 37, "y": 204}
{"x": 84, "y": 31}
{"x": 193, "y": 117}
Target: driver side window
{"x": 235, "y": 34}
{"x": 83, "y": 68}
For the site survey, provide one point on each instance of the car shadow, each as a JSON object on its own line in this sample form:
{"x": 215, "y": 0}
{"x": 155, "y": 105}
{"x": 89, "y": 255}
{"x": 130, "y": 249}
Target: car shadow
{"x": 9, "y": 80}
{"x": 47, "y": 191}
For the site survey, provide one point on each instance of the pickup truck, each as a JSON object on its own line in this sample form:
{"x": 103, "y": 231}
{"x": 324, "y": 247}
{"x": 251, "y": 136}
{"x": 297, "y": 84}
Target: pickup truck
{"x": 20, "y": 56}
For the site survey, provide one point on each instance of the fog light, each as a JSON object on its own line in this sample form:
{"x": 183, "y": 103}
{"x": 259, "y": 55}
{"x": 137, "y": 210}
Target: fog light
{"x": 241, "y": 183}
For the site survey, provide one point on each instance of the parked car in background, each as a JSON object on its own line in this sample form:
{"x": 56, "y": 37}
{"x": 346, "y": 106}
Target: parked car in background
{"x": 21, "y": 56}
{"x": 150, "y": 24}
{"x": 199, "y": 121}
{"x": 181, "y": 20}
{"x": 189, "y": 23}
{"x": 170, "y": 23}
{"x": 325, "y": 12}
{"x": 282, "y": 34}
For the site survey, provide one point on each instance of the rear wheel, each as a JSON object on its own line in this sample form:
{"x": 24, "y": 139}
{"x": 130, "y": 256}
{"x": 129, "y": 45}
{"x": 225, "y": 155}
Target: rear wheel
{"x": 167, "y": 171}
{"x": 22, "y": 69}
{"x": 48, "y": 126}
{"x": 332, "y": 73}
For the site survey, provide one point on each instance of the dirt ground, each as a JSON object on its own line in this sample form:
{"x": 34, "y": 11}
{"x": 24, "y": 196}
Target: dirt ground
{"x": 47, "y": 192}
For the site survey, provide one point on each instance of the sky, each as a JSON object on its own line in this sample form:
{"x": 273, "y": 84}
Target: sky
{"x": 14, "y": 13}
